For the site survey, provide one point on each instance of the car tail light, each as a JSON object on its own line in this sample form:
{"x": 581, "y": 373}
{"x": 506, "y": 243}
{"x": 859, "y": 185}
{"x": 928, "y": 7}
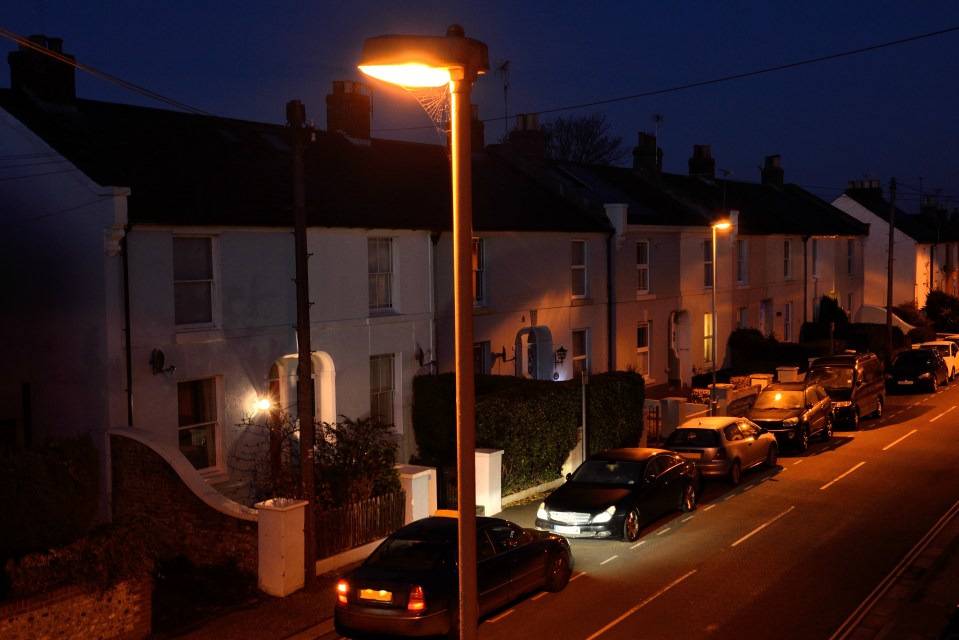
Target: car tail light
{"x": 720, "y": 454}
{"x": 417, "y": 601}
{"x": 342, "y": 589}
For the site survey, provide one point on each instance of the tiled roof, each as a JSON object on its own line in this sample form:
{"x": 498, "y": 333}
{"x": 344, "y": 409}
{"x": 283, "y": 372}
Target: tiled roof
{"x": 923, "y": 227}
{"x": 188, "y": 169}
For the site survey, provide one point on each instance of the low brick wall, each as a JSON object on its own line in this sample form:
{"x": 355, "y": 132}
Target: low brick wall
{"x": 68, "y": 613}
{"x": 143, "y": 482}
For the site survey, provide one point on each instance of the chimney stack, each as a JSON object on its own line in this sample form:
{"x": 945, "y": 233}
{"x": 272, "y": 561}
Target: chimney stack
{"x": 702, "y": 163}
{"x": 647, "y": 157}
{"x": 45, "y": 77}
{"x": 348, "y": 110}
{"x": 526, "y": 139}
{"x": 772, "y": 173}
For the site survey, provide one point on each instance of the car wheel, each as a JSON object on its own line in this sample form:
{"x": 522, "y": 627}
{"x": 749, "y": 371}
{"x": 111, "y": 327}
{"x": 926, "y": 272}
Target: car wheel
{"x": 687, "y": 501}
{"x": 772, "y": 456}
{"x": 557, "y": 572}
{"x": 878, "y": 412}
{"x": 454, "y": 632}
{"x": 854, "y": 420}
{"x": 735, "y": 474}
{"x": 803, "y": 442}
{"x": 631, "y": 525}
{"x": 827, "y": 430}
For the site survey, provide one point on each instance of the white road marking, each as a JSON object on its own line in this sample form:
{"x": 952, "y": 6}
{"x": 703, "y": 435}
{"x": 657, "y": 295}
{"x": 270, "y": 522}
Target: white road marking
{"x": 608, "y": 560}
{"x": 837, "y": 479}
{"x": 501, "y": 616}
{"x": 663, "y": 530}
{"x": 763, "y": 526}
{"x": 638, "y": 544}
{"x": 943, "y": 413}
{"x": 640, "y": 605}
{"x": 893, "y": 444}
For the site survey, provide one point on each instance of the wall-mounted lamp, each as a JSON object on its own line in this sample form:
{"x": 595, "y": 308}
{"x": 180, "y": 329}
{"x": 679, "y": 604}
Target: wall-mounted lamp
{"x": 560, "y": 355}
{"x": 156, "y": 363}
{"x": 502, "y": 355}
{"x": 262, "y": 404}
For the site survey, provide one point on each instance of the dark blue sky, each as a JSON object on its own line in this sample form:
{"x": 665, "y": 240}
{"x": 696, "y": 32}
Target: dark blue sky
{"x": 887, "y": 112}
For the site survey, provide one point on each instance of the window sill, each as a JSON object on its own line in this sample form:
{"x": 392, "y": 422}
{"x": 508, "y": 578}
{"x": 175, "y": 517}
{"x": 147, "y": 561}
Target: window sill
{"x": 580, "y": 302}
{"x": 194, "y": 336}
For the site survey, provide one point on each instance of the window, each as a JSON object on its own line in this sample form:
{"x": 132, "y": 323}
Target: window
{"x": 482, "y": 357}
{"x": 479, "y": 272}
{"x": 580, "y": 352}
{"x": 382, "y": 388}
{"x": 742, "y": 318}
{"x": 788, "y": 322}
{"x": 642, "y": 347}
{"x": 787, "y": 260}
{"x": 815, "y": 257}
{"x": 742, "y": 262}
{"x": 380, "y": 268}
{"x": 193, "y": 283}
{"x": 850, "y": 257}
{"x": 708, "y": 337}
{"x": 707, "y": 264}
{"x": 196, "y": 419}
{"x": 578, "y": 267}
{"x": 642, "y": 267}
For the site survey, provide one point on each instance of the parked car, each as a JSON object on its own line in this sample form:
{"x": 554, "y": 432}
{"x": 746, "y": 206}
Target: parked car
{"x": 409, "y": 585}
{"x": 855, "y": 384}
{"x": 948, "y": 350}
{"x": 793, "y": 412}
{"x": 724, "y": 446}
{"x": 917, "y": 368}
{"x": 615, "y": 493}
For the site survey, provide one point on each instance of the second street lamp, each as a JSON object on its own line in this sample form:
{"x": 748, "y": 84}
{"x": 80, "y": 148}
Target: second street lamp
{"x": 719, "y": 225}
{"x": 433, "y": 61}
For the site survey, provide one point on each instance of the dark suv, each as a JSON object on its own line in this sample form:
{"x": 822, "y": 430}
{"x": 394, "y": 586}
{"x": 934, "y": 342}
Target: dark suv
{"x": 855, "y": 382}
{"x": 793, "y": 412}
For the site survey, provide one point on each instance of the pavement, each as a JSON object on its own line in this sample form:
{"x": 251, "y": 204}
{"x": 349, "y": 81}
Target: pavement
{"x": 916, "y": 601}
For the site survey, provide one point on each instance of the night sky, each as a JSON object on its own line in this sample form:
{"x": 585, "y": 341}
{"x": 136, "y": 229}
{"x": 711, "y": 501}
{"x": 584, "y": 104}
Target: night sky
{"x": 889, "y": 111}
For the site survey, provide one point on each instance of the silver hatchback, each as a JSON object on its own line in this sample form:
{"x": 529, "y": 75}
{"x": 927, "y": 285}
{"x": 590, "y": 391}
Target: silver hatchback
{"x": 724, "y": 446}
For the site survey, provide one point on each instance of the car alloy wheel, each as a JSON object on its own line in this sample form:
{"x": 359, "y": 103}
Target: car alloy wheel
{"x": 803, "y": 443}
{"x": 631, "y": 525}
{"x": 688, "y": 501}
{"x": 557, "y": 572}
{"x": 735, "y": 473}
{"x": 772, "y": 456}
{"x": 827, "y": 430}
{"x": 878, "y": 412}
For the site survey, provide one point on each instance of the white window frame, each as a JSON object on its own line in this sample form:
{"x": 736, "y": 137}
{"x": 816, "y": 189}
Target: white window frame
{"x": 742, "y": 318}
{"x": 380, "y": 273}
{"x": 788, "y": 322}
{"x": 642, "y": 347}
{"x": 479, "y": 272}
{"x": 383, "y": 388}
{"x": 708, "y": 264}
{"x": 642, "y": 267}
{"x": 742, "y": 261}
{"x": 191, "y": 284}
{"x": 579, "y": 280}
{"x": 787, "y": 259}
{"x": 195, "y": 429}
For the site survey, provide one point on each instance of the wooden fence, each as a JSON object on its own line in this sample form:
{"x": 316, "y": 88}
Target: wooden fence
{"x": 358, "y": 523}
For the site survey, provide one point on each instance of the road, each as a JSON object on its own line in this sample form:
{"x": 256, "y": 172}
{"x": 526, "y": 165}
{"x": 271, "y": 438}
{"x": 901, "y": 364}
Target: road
{"x": 798, "y": 551}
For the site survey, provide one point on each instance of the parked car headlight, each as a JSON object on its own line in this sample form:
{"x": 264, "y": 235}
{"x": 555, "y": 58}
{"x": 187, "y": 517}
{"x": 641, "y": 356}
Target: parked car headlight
{"x": 790, "y": 422}
{"x": 605, "y": 516}
{"x": 542, "y": 513}
{"x": 841, "y": 404}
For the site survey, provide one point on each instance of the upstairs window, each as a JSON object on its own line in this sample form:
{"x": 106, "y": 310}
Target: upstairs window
{"x": 787, "y": 260}
{"x": 193, "y": 282}
{"x": 479, "y": 272}
{"x": 707, "y": 264}
{"x": 642, "y": 267}
{"x": 578, "y": 268}
{"x": 380, "y": 269}
{"x": 742, "y": 261}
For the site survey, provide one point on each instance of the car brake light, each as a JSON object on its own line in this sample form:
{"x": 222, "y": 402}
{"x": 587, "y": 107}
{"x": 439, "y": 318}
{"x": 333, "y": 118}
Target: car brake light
{"x": 342, "y": 588}
{"x": 720, "y": 454}
{"x": 417, "y": 601}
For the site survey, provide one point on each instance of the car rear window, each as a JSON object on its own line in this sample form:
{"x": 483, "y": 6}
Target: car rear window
{"x": 778, "y": 399}
{"x": 693, "y": 438}
{"x": 409, "y": 555}
{"x": 831, "y": 377}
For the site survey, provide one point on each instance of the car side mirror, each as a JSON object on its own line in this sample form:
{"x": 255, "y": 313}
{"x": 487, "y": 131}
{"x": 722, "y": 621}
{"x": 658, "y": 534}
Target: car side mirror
{"x": 569, "y": 475}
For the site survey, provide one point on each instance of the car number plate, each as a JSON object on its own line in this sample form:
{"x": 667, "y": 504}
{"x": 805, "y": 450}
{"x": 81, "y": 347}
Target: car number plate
{"x": 561, "y": 528}
{"x": 905, "y": 382}
{"x": 376, "y": 595}
{"x": 692, "y": 455}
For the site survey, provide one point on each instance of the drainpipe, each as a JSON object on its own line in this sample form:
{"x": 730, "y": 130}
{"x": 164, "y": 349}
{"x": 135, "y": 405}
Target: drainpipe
{"x": 610, "y": 301}
{"x": 126, "y": 322}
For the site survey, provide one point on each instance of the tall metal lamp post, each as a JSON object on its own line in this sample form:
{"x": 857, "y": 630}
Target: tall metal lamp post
{"x": 719, "y": 225}
{"x": 454, "y": 61}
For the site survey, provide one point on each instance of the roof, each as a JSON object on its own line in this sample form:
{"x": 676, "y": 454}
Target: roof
{"x": 926, "y": 227}
{"x": 201, "y": 170}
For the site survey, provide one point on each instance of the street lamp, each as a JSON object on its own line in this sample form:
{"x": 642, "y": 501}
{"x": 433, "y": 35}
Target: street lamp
{"x": 720, "y": 225}
{"x": 434, "y": 61}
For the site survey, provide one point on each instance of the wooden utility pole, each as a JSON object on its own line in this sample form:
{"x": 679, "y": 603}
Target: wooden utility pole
{"x": 296, "y": 118}
{"x": 889, "y": 270}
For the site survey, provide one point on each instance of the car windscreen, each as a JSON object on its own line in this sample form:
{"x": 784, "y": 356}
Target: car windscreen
{"x": 608, "y": 472}
{"x": 914, "y": 357}
{"x": 409, "y": 555}
{"x": 693, "y": 438}
{"x": 774, "y": 399}
{"x": 831, "y": 377}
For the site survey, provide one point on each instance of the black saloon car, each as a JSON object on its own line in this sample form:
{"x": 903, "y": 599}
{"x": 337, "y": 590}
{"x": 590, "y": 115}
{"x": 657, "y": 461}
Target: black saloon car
{"x": 409, "y": 585}
{"x": 615, "y": 493}
{"x": 916, "y": 369}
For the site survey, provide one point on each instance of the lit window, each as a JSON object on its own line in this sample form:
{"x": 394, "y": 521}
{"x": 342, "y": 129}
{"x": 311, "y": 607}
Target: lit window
{"x": 642, "y": 347}
{"x": 382, "y": 388}
{"x": 380, "y": 268}
{"x": 197, "y": 415}
{"x": 193, "y": 283}
{"x": 578, "y": 268}
{"x": 708, "y": 337}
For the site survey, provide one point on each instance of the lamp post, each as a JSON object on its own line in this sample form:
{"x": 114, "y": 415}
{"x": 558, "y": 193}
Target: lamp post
{"x": 719, "y": 225}
{"x": 454, "y": 61}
